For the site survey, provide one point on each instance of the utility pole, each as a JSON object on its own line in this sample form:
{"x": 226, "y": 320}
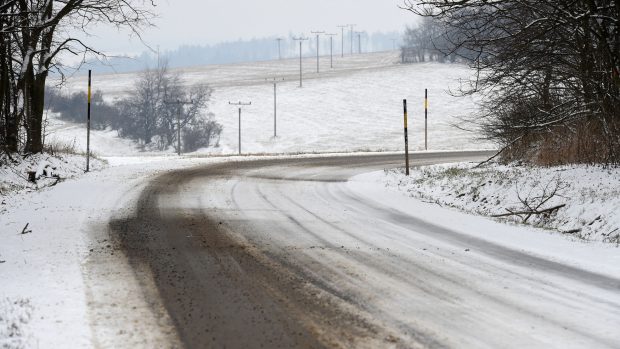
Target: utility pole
{"x": 342, "y": 37}
{"x": 331, "y": 50}
{"x": 279, "y": 40}
{"x": 179, "y": 103}
{"x": 301, "y": 39}
{"x": 352, "y": 26}
{"x": 240, "y": 104}
{"x": 88, "y": 125}
{"x": 359, "y": 40}
{"x": 317, "y": 47}
{"x": 275, "y": 105}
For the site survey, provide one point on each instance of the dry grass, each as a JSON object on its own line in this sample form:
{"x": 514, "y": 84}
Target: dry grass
{"x": 589, "y": 141}
{"x": 65, "y": 147}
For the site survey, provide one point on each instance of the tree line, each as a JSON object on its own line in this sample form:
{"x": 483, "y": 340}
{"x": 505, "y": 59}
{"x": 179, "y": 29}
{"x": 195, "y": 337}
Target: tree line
{"x": 152, "y": 114}
{"x": 256, "y": 49}
{"x": 548, "y": 71}
{"x": 33, "y": 35}
{"x": 425, "y": 42}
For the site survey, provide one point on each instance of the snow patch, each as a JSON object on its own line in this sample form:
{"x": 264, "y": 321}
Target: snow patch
{"x": 48, "y": 170}
{"x": 15, "y": 316}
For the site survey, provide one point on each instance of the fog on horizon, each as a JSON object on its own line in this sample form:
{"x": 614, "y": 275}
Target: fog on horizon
{"x": 208, "y": 22}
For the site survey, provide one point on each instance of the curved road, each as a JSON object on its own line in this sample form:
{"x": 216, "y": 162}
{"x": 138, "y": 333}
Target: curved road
{"x": 281, "y": 254}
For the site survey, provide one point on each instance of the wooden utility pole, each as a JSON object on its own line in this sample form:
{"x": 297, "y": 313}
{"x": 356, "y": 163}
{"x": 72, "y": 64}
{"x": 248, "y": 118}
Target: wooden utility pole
{"x": 301, "y": 40}
{"x": 351, "y": 27}
{"x": 179, "y": 103}
{"x": 279, "y": 52}
{"x": 318, "y": 33}
{"x": 359, "y": 42}
{"x": 342, "y": 38}
{"x": 331, "y": 49}
{"x": 240, "y": 104}
{"x": 275, "y": 105}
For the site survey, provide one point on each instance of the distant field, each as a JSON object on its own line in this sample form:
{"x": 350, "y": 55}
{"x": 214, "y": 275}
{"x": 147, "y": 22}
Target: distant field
{"x": 355, "y": 107}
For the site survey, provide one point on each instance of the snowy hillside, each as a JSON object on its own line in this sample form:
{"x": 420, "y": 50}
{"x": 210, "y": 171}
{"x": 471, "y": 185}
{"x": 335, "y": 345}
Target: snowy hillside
{"x": 355, "y": 107}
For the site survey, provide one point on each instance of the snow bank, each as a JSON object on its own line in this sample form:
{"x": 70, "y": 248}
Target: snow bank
{"x": 590, "y": 194}
{"x": 49, "y": 170}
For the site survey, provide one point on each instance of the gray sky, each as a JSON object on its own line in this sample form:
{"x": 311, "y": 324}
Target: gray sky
{"x": 201, "y": 22}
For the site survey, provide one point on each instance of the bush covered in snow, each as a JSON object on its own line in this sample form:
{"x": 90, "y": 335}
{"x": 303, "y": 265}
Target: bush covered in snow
{"x": 581, "y": 201}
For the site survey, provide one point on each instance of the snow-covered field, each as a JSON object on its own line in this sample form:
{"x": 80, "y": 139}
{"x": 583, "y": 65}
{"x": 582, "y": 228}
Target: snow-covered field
{"x": 591, "y": 194}
{"x": 357, "y": 106}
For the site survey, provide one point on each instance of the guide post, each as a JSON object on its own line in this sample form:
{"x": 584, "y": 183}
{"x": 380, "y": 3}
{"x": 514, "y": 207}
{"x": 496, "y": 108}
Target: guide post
{"x": 406, "y": 139}
{"x": 88, "y": 125}
{"x": 425, "y": 119}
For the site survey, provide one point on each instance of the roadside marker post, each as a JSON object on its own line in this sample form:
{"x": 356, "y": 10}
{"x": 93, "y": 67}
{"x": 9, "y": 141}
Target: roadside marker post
{"x": 240, "y": 104}
{"x": 406, "y": 139}
{"x": 425, "y": 119}
{"x": 88, "y": 124}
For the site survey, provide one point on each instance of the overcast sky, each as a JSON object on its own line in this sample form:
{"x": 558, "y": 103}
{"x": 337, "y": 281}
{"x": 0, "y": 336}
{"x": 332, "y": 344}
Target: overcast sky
{"x": 201, "y": 22}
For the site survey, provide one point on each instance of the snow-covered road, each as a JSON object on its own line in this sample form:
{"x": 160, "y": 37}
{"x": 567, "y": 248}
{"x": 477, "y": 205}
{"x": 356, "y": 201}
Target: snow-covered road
{"x": 288, "y": 253}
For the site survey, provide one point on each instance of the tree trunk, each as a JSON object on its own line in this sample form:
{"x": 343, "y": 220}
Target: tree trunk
{"x": 9, "y": 125}
{"x": 36, "y": 99}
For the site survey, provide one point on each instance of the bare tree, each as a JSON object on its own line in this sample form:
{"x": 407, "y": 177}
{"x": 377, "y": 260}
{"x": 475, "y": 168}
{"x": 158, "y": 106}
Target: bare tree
{"x": 10, "y": 117}
{"x": 548, "y": 69}
{"x": 152, "y": 112}
{"x": 423, "y": 41}
{"x": 34, "y": 33}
